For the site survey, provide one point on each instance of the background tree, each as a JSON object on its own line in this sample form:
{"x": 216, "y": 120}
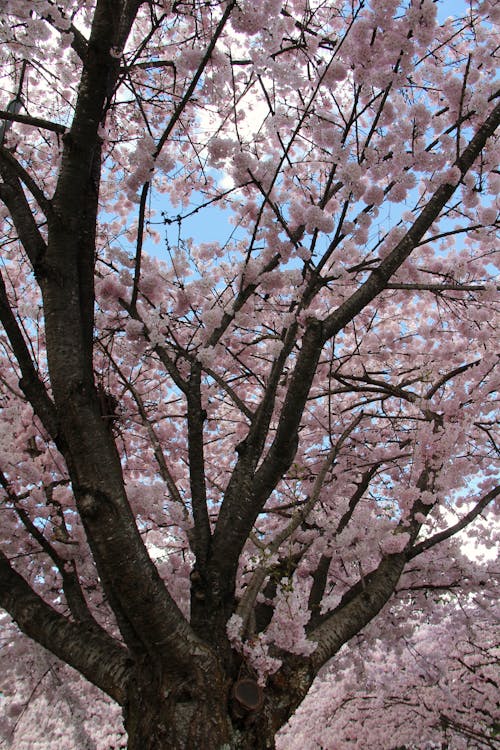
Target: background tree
{"x": 220, "y": 464}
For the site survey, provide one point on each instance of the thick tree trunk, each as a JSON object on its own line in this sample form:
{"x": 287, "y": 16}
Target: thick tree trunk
{"x": 185, "y": 719}
{"x": 207, "y": 710}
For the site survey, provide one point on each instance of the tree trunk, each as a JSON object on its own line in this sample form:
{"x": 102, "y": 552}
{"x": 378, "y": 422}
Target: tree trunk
{"x": 195, "y": 712}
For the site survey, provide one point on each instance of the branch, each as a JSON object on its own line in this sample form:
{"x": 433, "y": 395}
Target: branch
{"x": 148, "y": 65}
{"x": 30, "y": 383}
{"x": 195, "y": 418}
{"x": 366, "y": 597}
{"x": 28, "y": 232}
{"x": 243, "y": 499}
{"x": 438, "y": 287}
{"x": 362, "y": 603}
{"x": 284, "y": 445}
{"x": 157, "y": 449}
{"x": 96, "y": 655}
{"x": 199, "y": 72}
{"x": 10, "y": 167}
{"x": 149, "y": 619}
{"x": 379, "y": 277}
{"x": 452, "y": 530}
{"x": 179, "y": 109}
{"x": 238, "y": 402}
{"x": 36, "y": 122}
{"x": 78, "y": 42}
{"x": 320, "y": 576}
{"x": 67, "y": 569}
{"x": 240, "y": 508}
{"x": 138, "y": 248}
{"x": 248, "y": 599}
{"x": 449, "y": 376}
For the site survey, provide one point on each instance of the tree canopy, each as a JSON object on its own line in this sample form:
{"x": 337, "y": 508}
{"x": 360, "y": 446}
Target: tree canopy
{"x": 248, "y": 380}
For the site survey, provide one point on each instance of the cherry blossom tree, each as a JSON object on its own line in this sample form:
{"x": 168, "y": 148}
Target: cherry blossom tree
{"x": 220, "y": 460}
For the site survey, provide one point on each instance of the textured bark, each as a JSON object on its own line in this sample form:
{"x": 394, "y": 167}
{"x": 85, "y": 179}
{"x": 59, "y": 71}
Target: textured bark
{"x": 194, "y": 712}
{"x": 188, "y": 712}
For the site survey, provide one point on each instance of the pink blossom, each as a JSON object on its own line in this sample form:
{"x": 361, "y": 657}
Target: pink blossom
{"x": 394, "y": 543}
